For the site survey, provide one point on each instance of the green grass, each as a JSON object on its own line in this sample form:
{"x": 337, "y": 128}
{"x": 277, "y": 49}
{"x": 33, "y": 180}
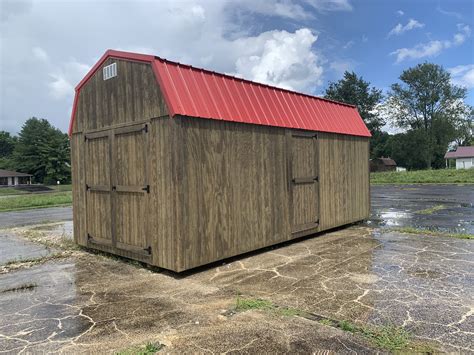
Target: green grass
{"x": 61, "y": 187}
{"x": 27, "y": 286}
{"x": 432, "y": 209}
{"x": 411, "y": 230}
{"x": 247, "y": 304}
{"x": 6, "y": 191}
{"x": 35, "y": 201}
{"x": 441, "y": 176}
{"x": 387, "y": 337}
{"x": 147, "y": 349}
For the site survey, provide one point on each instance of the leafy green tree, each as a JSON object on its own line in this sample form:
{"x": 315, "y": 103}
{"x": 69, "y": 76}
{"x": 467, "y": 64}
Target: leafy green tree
{"x": 354, "y": 90}
{"x": 427, "y": 103}
{"x": 43, "y": 151}
{"x": 7, "y": 144}
{"x": 407, "y": 149}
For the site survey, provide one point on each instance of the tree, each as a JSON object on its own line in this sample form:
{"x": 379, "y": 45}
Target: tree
{"x": 354, "y": 90}
{"x": 7, "y": 145}
{"x": 427, "y": 102}
{"x": 43, "y": 151}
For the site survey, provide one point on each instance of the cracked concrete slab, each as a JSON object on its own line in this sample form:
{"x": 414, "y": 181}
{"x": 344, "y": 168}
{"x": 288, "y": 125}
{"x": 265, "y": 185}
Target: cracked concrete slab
{"x": 370, "y": 276}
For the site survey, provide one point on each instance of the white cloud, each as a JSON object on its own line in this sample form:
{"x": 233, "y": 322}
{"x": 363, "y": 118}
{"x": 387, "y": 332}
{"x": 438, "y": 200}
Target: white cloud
{"x": 400, "y": 13}
{"x": 280, "y": 58}
{"x": 463, "y": 75}
{"x": 330, "y": 5}
{"x": 348, "y": 45}
{"x": 400, "y": 29}
{"x": 40, "y": 54}
{"x": 432, "y": 48}
{"x": 64, "y": 79}
{"x": 220, "y": 35}
{"x": 365, "y": 39}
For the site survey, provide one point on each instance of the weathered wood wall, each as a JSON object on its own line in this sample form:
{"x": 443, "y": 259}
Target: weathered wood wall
{"x": 235, "y": 190}
{"x": 344, "y": 179}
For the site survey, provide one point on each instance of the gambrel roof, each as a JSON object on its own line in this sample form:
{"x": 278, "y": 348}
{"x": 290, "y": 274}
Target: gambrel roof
{"x": 195, "y": 92}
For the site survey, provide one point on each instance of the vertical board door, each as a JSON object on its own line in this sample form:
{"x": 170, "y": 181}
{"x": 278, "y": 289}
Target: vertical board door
{"x": 130, "y": 188}
{"x": 98, "y": 187}
{"x": 304, "y": 183}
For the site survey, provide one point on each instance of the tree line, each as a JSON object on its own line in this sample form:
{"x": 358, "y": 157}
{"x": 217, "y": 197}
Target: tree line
{"x": 424, "y": 104}
{"x": 40, "y": 150}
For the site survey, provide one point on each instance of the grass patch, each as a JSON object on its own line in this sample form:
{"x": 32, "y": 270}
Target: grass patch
{"x": 6, "y": 191}
{"x": 388, "y": 337}
{"x": 61, "y": 188}
{"x": 35, "y": 201}
{"x": 243, "y": 304}
{"x": 247, "y": 304}
{"x": 441, "y": 176}
{"x": 411, "y": 230}
{"x": 147, "y": 349}
{"x": 28, "y": 262}
{"x": 432, "y": 209}
{"x": 23, "y": 287}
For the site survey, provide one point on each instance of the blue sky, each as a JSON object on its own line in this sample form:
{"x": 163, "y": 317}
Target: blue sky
{"x": 47, "y": 46}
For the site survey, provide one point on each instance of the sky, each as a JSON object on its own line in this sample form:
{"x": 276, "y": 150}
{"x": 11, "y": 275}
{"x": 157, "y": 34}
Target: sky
{"x": 46, "y": 47}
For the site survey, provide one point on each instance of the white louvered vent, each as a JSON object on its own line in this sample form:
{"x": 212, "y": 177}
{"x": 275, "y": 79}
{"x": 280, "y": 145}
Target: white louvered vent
{"x": 110, "y": 71}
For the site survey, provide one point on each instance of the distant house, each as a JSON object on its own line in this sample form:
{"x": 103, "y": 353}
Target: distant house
{"x": 382, "y": 164}
{"x": 464, "y": 157}
{"x": 13, "y": 178}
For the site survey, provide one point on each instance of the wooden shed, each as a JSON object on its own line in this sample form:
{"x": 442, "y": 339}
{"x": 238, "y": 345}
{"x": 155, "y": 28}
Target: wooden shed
{"x": 178, "y": 167}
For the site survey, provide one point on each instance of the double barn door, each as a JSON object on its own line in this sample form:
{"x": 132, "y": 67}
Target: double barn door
{"x": 304, "y": 182}
{"x": 117, "y": 188}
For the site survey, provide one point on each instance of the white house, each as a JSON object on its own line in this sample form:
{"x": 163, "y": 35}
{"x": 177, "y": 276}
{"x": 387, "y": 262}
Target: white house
{"x": 464, "y": 157}
{"x": 13, "y": 178}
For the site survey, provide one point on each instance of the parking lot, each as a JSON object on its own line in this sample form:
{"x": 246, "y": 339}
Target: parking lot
{"x": 370, "y": 275}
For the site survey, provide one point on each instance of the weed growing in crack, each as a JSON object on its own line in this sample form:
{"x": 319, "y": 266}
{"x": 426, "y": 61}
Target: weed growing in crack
{"x": 147, "y": 349}
{"x": 432, "y": 210}
{"x": 411, "y": 230}
{"x": 24, "y": 287}
{"x": 246, "y": 304}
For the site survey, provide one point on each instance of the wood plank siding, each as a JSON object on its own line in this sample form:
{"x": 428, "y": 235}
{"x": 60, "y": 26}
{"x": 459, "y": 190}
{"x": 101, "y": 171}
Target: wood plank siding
{"x": 183, "y": 192}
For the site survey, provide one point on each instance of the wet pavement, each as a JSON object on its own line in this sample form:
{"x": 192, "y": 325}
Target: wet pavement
{"x": 90, "y": 302}
{"x": 34, "y": 216}
{"x": 371, "y": 276}
{"x": 445, "y": 208}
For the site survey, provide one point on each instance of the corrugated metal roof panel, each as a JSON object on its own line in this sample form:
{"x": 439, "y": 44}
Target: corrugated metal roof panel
{"x": 201, "y": 93}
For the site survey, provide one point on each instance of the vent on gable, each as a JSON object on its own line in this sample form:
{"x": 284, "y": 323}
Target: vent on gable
{"x": 110, "y": 71}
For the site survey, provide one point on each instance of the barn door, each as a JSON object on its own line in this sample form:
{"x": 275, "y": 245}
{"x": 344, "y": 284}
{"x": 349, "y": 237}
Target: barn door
{"x": 130, "y": 188}
{"x": 304, "y": 185}
{"x": 98, "y": 187}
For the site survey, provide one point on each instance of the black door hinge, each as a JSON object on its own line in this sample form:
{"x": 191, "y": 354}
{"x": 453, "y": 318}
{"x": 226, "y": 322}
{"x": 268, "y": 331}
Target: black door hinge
{"x": 146, "y": 188}
{"x": 148, "y": 250}
{"x": 316, "y": 178}
{"x": 87, "y": 187}
{"x": 145, "y": 128}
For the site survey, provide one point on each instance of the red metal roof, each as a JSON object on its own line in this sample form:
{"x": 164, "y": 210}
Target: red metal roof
{"x": 460, "y": 152}
{"x": 202, "y": 93}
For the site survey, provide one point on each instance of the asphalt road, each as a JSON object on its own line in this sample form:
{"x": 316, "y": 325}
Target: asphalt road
{"x": 35, "y": 216}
